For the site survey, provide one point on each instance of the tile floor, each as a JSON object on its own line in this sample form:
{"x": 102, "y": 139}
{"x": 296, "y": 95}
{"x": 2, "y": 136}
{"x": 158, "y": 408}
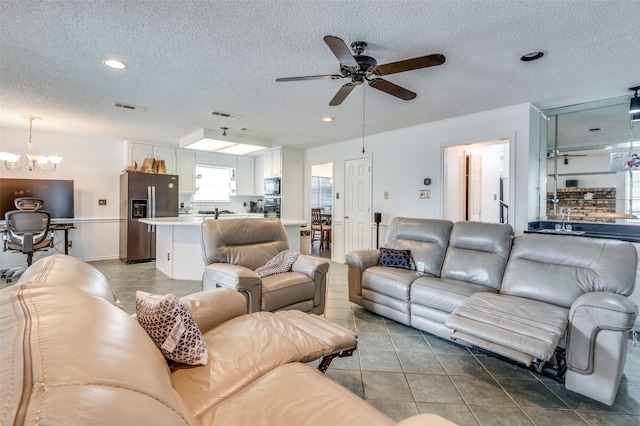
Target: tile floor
{"x": 403, "y": 371}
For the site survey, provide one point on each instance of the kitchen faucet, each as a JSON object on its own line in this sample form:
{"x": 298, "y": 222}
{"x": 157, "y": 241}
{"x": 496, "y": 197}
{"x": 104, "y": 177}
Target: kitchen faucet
{"x": 564, "y": 225}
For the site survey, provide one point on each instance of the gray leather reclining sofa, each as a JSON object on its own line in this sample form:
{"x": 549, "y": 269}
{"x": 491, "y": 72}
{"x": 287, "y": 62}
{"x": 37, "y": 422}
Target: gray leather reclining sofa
{"x": 553, "y": 303}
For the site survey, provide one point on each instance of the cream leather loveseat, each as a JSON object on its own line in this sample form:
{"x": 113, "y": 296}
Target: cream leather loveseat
{"x": 556, "y": 304}
{"x": 71, "y": 355}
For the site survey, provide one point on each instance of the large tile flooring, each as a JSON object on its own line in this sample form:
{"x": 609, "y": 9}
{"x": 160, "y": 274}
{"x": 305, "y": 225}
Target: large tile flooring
{"x": 403, "y": 371}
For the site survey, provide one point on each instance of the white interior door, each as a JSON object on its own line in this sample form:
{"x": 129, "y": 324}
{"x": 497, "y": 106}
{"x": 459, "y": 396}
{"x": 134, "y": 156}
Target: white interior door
{"x": 474, "y": 187}
{"x": 357, "y": 204}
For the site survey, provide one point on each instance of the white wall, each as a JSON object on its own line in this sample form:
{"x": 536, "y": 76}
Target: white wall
{"x": 401, "y": 159}
{"x": 94, "y": 165}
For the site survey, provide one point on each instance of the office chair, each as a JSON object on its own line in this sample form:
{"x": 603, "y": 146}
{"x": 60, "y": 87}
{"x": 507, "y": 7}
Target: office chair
{"x": 28, "y": 230}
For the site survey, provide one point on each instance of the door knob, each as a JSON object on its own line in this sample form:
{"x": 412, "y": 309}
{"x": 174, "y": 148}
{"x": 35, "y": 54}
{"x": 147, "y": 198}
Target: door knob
{"x": 346, "y": 217}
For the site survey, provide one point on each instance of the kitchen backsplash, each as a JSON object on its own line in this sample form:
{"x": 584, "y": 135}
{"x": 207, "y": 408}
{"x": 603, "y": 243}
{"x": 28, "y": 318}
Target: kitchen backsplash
{"x": 236, "y": 204}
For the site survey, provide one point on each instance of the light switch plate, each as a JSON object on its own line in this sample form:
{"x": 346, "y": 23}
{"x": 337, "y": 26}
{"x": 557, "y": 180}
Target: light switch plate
{"x": 386, "y": 195}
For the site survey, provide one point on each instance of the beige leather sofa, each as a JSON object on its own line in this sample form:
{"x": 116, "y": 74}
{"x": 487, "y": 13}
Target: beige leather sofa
{"x": 233, "y": 249}
{"x": 71, "y": 355}
{"x": 556, "y": 304}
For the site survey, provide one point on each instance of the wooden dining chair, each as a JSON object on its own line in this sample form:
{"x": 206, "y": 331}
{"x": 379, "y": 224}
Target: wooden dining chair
{"x": 316, "y": 225}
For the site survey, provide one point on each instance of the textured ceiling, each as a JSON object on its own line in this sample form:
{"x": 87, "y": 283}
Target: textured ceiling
{"x": 188, "y": 58}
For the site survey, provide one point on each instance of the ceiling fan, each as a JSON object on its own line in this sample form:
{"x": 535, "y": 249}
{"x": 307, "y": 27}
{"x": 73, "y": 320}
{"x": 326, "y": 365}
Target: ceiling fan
{"x": 360, "y": 68}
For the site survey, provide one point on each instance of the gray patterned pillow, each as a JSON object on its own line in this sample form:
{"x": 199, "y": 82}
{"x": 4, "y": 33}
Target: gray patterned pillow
{"x": 280, "y": 263}
{"x": 172, "y": 328}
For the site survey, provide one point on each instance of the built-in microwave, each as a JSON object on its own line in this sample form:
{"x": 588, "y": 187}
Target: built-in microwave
{"x": 272, "y": 187}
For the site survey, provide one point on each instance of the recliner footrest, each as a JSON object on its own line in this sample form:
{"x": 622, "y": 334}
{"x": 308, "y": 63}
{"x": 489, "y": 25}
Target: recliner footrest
{"x": 336, "y": 341}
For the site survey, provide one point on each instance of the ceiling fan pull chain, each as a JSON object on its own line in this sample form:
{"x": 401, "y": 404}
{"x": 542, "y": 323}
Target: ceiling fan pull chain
{"x": 364, "y": 91}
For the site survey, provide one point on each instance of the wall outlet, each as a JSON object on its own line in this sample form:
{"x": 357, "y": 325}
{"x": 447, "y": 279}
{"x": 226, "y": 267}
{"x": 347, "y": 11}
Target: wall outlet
{"x": 424, "y": 193}
{"x": 102, "y": 202}
{"x": 386, "y": 195}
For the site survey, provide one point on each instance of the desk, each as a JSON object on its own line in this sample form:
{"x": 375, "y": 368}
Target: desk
{"x": 64, "y": 227}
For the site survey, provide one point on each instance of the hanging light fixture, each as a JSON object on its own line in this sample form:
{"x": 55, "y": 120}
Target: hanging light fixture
{"x": 28, "y": 158}
{"x": 224, "y": 131}
{"x": 634, "y": 106}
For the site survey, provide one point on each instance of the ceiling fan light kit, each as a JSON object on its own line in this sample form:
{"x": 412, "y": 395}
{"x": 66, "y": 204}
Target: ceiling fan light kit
{"x": 360, "y": 68}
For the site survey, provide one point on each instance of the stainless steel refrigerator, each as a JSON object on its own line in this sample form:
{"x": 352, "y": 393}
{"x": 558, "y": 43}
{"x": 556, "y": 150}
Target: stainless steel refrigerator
{"x": 144, "y": 195}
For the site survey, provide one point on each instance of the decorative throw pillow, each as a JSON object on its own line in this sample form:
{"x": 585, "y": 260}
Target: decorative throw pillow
{"x": 172, "y": 328}
{"x": 395, "y": 258}
{"x": 280, "y": 263}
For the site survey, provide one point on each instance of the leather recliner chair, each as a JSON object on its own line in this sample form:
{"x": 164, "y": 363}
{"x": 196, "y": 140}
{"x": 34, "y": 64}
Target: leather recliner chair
{"x": 233, "y": 249}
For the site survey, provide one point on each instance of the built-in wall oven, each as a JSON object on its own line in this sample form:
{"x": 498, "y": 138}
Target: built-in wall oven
{"x": 271, "y": 207}
{"x": 272, "y": 187}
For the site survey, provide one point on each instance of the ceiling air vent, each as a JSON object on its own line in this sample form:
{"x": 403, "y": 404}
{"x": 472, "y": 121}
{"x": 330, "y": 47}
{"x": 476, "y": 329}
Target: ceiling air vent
{"x": 131, "y": 107}
{"x": 225, "y": 115}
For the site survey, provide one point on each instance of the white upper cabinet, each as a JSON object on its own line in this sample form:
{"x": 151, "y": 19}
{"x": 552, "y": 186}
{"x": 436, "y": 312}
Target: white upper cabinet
{"x": 245, "y": 182}
{"x": 187, "y": 170}
{"x": 227, "y": 160}
{"x": 138, "y": 152}
{"x": 273, "y": 162}
{"x": 169, "y": 156}
{"x": 259, "y": 175}
{"x": 206, "y": 158}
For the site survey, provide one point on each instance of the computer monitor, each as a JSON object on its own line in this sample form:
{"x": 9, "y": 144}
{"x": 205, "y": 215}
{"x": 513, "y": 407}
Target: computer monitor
{"x": 56, "y": 194}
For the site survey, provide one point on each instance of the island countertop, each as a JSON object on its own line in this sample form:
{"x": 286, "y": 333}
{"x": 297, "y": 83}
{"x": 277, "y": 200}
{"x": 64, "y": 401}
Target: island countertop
{"x": 178, "y": 246}
{"x": 197, "y": 220}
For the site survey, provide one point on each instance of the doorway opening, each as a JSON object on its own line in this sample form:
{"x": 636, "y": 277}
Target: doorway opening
{"x": 476, "y": 182}
{"x": 322, "y": 199}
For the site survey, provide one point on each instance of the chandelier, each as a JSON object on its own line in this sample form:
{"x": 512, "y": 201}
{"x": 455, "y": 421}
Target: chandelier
{"x": 28, "y": 158}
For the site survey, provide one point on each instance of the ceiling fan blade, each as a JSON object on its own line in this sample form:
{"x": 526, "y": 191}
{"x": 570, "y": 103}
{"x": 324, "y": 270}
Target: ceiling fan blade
{"x": 411, "y": 64}
{"x": 311, "y": 77}
{"x": 392, "y": 89}
{"x": 342, "y": 94}
{"x": 341, "y": 50}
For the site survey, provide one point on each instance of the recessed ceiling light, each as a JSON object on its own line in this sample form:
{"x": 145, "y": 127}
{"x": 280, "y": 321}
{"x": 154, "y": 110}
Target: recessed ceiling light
{"x": 115, "y": 64}
{"x": 595, "y": 129}
{"x": 532, "y": 56}
{"x": 328, "y": 119}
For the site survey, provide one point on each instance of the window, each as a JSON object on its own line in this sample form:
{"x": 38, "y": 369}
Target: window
{"x": 212, "y": 183}
{"x": 321, "y": 193}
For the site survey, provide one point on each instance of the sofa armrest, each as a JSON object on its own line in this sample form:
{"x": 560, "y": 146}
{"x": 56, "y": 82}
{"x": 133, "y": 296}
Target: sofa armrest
{"x": 316, "y": 269}
{"x": 358, "y": 261}
{"x": 235, "y": 277}
{"x": 213, "y": 307}
{"x": 589, "y": 314}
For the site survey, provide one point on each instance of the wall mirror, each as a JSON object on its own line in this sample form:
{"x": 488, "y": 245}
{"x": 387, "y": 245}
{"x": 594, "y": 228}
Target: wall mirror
{"x": 586, "y": 150}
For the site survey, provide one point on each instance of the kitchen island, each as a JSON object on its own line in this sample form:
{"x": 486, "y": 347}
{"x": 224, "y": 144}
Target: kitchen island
{"x": 178, "y": 249}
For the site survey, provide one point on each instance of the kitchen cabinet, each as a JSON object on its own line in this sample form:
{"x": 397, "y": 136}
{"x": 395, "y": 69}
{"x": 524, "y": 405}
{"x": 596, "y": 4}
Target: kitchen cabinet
{"x": 206, "y": 158}
{"x": 186, "y": 159}
{"x": 169, "y": 156}
{"x": 245, "y": 171}
{"x": 139, "y": 151}
{"x": 227, "y": 160}
{"x": 273, "y": 162}
{"x": 259, "y": 175}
